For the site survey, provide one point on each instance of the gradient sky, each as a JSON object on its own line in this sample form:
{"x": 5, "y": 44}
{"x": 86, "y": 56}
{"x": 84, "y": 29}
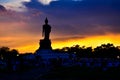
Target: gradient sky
{"x": 83, "y": 22}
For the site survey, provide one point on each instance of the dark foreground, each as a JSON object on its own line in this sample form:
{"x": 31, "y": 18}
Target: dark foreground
{"x": 85, "y": 69}
{"x": 65, "y": 73}
{"x": 82, "y": 73}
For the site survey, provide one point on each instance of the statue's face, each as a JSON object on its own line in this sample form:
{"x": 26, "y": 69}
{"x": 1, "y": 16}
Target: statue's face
{"x": 46, "y": 22}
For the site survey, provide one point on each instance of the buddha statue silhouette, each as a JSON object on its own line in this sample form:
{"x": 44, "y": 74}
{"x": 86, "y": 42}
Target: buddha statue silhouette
{"x": 46, "y": 30}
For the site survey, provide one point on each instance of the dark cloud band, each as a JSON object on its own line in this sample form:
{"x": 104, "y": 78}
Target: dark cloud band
{"x": 2, "y": 8}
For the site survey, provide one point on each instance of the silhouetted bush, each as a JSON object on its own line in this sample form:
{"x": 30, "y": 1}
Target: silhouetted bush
{"x": 103, "y": 51}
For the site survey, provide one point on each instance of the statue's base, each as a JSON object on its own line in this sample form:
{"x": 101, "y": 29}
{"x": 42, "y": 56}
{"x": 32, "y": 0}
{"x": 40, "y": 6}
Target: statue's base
{"x": 45, "y": 44}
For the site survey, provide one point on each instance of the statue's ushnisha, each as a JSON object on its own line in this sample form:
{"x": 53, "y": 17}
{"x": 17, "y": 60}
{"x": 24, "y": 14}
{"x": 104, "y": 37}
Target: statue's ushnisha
{"x": 46, "y": 30}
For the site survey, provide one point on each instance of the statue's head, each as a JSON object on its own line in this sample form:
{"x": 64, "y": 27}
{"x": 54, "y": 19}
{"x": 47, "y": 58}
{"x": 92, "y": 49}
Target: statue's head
{"x": 46, "y": 20}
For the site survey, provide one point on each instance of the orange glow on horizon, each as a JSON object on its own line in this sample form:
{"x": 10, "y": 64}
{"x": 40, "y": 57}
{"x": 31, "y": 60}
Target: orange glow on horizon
{"x": 91, "y": 41}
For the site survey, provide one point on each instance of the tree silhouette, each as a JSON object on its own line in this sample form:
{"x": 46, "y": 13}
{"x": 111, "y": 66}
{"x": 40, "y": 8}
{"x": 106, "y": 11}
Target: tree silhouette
{"x": 14, "y": 53}
{"x": 4, "y": 51}
{"x": 107, "y": 50}
{"x": 104, "y": 51}
{"x": 7, "y": 54}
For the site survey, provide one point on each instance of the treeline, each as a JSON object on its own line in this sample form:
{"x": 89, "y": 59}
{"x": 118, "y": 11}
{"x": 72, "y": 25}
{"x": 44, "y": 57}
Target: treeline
{"x": 6, "y": 53}
{"x": 103, "y": 51}
{"x": 12, "y": 60}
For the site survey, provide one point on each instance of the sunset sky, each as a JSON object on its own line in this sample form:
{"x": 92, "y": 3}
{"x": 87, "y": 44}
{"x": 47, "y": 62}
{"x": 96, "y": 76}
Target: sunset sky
{"x": 83, "y": 22}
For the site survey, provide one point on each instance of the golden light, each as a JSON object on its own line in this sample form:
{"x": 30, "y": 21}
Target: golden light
{"x": 31, "y": 45}
{"x": 91, "y": 41}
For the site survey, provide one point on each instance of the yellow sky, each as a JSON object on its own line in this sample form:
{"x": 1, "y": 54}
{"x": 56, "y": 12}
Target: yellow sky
{"x": 88, "y": 42}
